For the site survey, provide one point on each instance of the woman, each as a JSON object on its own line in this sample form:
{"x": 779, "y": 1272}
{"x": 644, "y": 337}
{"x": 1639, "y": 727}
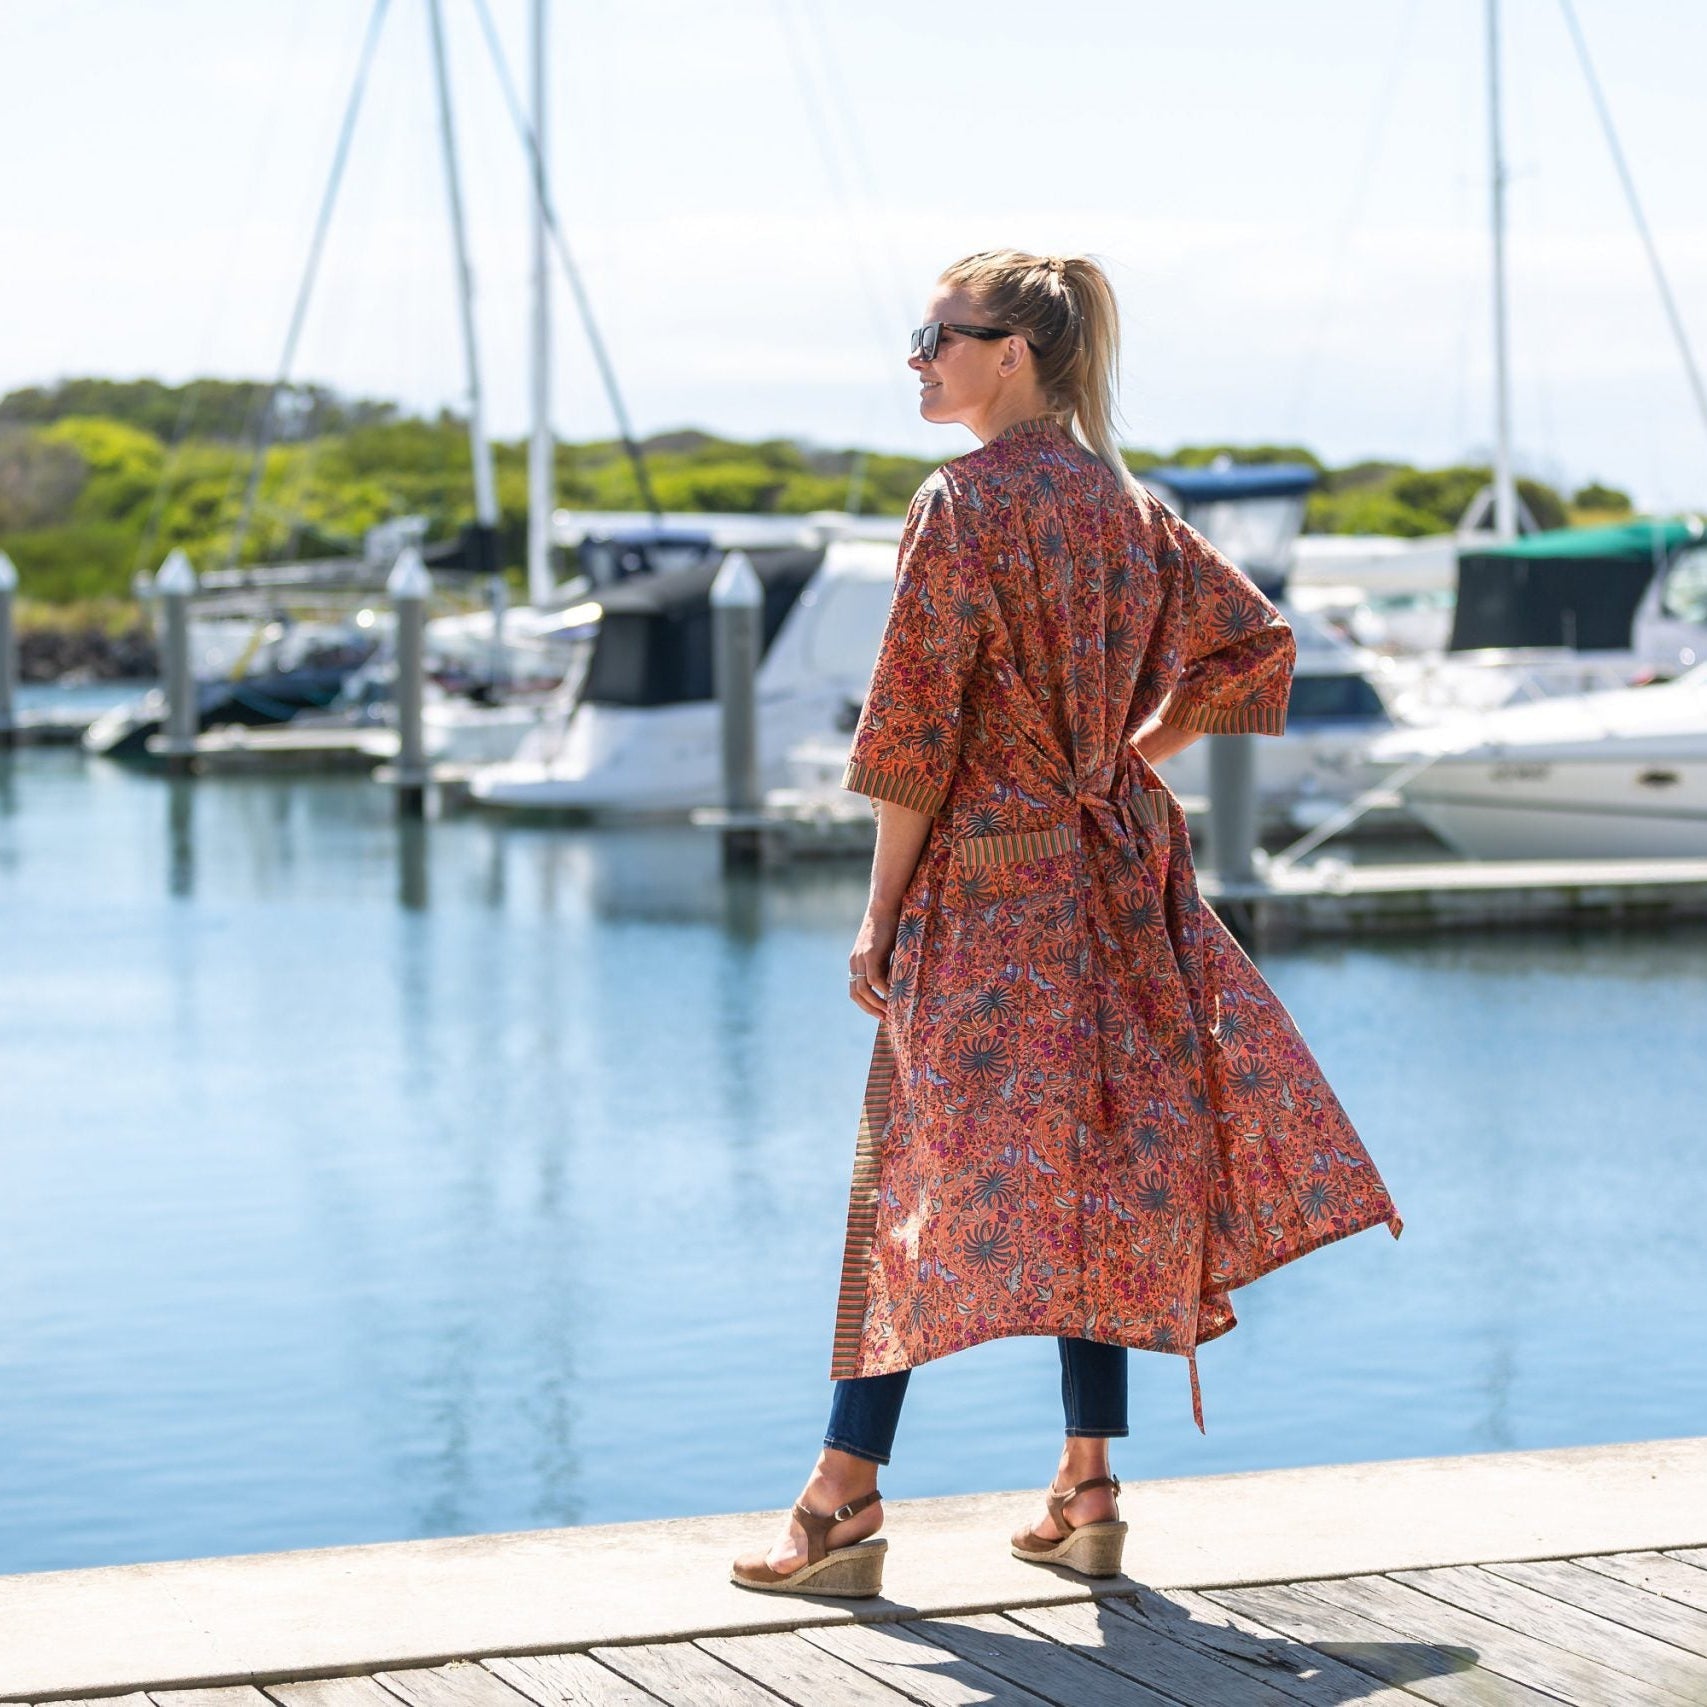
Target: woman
{"x": 1087, "y": 1114}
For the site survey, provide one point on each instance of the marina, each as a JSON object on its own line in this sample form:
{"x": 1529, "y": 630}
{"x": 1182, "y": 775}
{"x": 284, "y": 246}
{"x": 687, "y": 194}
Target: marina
{"x": 440, "y": 948}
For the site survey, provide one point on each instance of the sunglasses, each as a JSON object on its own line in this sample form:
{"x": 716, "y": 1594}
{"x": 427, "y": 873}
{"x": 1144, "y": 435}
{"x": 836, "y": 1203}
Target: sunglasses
{"x": 926, "y": 338}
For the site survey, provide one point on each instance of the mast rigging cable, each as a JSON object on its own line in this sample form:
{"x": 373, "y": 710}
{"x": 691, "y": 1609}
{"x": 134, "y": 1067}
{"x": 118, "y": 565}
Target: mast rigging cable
{"x": 530, "y": 145}
{"x": 1629, "y": 183}
{"x": 346, "y": 133}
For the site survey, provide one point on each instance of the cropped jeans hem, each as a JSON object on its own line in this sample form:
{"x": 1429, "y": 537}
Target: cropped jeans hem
{"x": 865, "y": 1409}
{"x": 855, "y": 1451}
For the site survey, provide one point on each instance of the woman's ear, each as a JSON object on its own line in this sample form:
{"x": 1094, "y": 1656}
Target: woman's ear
{"x": 1012, "y": 355}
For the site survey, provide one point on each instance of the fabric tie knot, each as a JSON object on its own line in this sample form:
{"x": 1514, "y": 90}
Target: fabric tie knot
{"x": 1095, "y": 799}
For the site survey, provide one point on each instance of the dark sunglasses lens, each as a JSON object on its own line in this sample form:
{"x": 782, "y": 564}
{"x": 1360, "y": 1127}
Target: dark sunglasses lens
{"x": 927, "y": 347}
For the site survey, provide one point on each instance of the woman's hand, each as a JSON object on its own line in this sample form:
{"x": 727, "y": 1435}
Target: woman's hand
{"x": 868, "y": 965}
{"x": 1157, "y": 740}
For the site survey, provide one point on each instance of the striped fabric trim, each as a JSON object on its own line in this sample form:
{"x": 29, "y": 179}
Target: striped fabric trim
{"x": 912, "y": 792}
{"x": 1149, "y": 805}
{"x": 862, "y": 1209}
{"x": 1018, "y": 845}
{"x": 1235, "y": 720}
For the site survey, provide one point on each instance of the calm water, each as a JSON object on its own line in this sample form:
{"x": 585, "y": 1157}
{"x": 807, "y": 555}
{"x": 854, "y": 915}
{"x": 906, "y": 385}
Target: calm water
{"x": 361, "y": 1187}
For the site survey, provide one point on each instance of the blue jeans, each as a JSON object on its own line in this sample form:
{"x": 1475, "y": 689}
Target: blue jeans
{"x": 865, "y": 1409}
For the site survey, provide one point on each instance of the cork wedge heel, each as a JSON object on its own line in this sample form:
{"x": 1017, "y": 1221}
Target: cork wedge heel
{"x": 1092, "y": 1549}
{"x": 854, "y": 1571}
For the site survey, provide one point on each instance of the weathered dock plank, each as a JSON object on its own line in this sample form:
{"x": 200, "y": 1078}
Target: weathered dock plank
{"x": 924, "y": 1671}
{"x": 333, "y": 1692}
{"x": 1640, "y": 1656}
{"x": 568, "y": 1680}
{"x": 460, "y": 1683}
{"x": 1139, "y": 1651}
{"x": 1404, "y": 1655}
{"x": 227, "y": 1695}
{"x": 1000, "y": 1645}
{"x": 1513, "y": 1653}
{"x": 802, "y": 1673}
{"x": 1299, "y": 1671}
{"x": 1658, "y": 1573}
{"x": 685, "y": 1675}
{"x": 1682, "y": 1626}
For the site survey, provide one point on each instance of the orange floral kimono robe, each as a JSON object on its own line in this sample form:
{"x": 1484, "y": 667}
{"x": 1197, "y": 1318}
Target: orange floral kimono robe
{"x": 1086, "y": 1112}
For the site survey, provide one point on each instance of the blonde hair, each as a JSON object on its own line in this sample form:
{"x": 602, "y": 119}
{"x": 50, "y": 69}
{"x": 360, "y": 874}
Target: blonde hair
{"x": 1065, "y": 306}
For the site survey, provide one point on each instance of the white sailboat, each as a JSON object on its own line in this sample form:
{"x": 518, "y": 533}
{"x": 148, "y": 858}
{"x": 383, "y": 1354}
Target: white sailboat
{"x": 1618, "y": 770}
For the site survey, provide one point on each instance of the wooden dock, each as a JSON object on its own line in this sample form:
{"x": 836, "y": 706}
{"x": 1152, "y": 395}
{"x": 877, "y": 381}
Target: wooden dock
{"x": 1448, "y": 1580}
{"x": 271, "y": 748}
{"x": 1618, "y": 1630}
{"x": 1333, "y": 897}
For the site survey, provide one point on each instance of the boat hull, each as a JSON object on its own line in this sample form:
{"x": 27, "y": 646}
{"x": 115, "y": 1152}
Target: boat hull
{"x": 1599, "y": 808}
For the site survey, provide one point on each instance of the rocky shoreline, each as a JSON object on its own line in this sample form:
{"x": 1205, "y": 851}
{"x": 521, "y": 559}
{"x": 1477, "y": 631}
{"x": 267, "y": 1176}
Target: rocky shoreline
{"x": 86, "y": 653}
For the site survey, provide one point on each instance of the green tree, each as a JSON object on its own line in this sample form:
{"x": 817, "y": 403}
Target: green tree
{"x": 1604, "y": 500}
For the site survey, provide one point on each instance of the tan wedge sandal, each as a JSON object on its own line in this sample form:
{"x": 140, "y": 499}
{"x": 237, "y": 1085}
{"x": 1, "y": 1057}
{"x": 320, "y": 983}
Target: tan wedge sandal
{"x": 1093, "y": 1549}
{"x": 855, "y": 1570}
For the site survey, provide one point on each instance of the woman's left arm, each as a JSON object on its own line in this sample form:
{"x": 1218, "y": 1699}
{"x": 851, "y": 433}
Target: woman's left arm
{"x": 901, "y": 836}
{"x": 906, "y": 743}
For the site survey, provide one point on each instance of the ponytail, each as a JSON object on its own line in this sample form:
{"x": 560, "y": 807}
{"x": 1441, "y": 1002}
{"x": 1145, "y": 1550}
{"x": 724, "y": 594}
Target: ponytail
{"x": 1066, "y": 307}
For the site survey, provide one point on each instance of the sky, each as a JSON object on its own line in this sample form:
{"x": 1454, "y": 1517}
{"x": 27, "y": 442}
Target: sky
{"x": 1291, "y": 201}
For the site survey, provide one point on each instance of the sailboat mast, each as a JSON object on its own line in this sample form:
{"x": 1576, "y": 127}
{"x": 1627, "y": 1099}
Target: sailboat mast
{"x": 541, "y": 467}
{"x": 485, "y": 488}
{"x": 1505, "y": 489}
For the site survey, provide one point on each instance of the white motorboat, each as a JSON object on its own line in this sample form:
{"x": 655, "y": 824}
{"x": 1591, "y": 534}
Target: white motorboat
{"x": 643, "y": 737}
{"x": 1617, "y": 774}
{"x": 547, "y": 652}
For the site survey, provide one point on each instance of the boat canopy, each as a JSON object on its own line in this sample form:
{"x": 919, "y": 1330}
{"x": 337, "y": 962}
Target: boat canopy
{"x": 1251, "y": 511}
{"x": 1212, "y": 485}
{"x": 1575, "y": 587}
{"x": 654, "y": 641}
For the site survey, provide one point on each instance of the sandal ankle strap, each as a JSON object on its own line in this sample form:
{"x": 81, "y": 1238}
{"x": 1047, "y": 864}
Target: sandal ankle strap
{"x": 1058, "y": 1498}
{"x": 818, "y": 1526}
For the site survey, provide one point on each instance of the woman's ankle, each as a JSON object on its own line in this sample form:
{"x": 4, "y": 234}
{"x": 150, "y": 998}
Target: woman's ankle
{"x": 846, "y": 1472}
{"x": 1082, "y": 1457}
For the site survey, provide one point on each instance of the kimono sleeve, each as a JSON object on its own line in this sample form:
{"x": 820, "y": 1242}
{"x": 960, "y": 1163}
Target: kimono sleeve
{"x": 1237, "y": 650}
{"x": 907, "y": 739}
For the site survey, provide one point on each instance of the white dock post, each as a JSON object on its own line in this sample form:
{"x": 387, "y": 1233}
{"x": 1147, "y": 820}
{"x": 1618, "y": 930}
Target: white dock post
{"x": 8, "y": 655}
{"x": 408, "y": 585}
{"x": 1233, "y": 829}
{"x": 737, "y": 629}
{"x": 174, "y": 582}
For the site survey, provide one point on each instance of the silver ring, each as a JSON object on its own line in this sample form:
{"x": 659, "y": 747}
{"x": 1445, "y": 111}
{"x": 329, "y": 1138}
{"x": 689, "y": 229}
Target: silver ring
{"x": 854, "y": 977}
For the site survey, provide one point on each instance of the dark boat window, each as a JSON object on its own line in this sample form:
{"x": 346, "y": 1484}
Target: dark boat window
{"x": 654, "y": 640}
{"x": 1324, "y": 697}
{"x": 1685, "y": 593}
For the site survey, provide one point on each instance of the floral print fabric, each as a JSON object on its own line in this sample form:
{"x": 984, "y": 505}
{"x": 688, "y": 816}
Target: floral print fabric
{"x": 1086, "y": 1111}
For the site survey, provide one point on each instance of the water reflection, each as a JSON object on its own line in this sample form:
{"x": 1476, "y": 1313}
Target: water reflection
{"x": 8, "y": 809}
{"x": 180, "y": 836}
{"x": 412, "y": 837}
